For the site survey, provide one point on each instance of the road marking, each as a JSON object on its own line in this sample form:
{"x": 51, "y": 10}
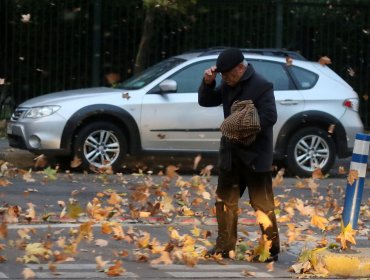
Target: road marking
{"x": 205, "y": 267}
{"x": 81, "y": 275}
{"x": 3, "y": 276}
{"x": 216, "y": 274}
{"x": 211, "y": 271}
{"x": 64, "y": 271}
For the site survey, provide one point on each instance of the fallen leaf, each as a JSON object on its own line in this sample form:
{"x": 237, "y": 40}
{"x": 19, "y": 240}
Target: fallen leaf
{"x": 28, "y": 273}
{"x": 164, "y": 258}
{"x": 100, "y": 264}
{"x": 116, "y": 269}
{"x": 101, "y": 242}
{"x": 319, "y": 221}
{"x": 40, "y": 161}
{"x": 346, "y": 236}
{"x": 76, "y": 162}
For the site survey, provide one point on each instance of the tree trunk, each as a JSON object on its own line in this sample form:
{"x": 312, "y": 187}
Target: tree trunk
{"x": 143, "y": 51}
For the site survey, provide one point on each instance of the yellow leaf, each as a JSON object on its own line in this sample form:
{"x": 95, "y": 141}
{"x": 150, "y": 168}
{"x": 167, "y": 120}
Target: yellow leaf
{"x": 347, "y": 235}
{"x": 196, "y": 231}
{"x": 143, "y": 241}
{"x": 114, "y": 199}
{"x": 319, "y": 221}
{"x": 263, "y": 219}
{"x": 263, "y": 248}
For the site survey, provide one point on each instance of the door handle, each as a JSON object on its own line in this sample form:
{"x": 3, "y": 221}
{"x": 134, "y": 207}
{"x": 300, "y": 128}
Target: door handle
{"x": 289, "y": 102}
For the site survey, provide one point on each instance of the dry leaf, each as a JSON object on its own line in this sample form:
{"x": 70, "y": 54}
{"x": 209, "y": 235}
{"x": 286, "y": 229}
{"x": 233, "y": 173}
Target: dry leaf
{"x": 324, "y": 60}
{"x": 101, "y": 242}
{"x": 125, "y": 95}
{"x": 100, "y": 264}
{"x": 26, "y": 18}
{"x": 270, "y": 266}
{"x": 171, "y": 171}
{"x": 41, "y": 161}
{"x": 4, "y": 182}
{"x": 206, "y": 171}
{"x": 341, "y": 170}
{"x": 263, "y": 219}
{"x": 197, "y": 159}
{"x": 317, "y": 174}
{"x": 288, "y": 60}
{"x": 28, "y": 273}
{"x": 346, "y": 236}
{"x": 279, "y": 178}
{"x": 116, "y": 269}
{"x": 352, "y": 176}
{"x": 319, "y": 221}
{"x": 76, "y": 162}
{"x": 331, "y": 128}
{"x": 164, "y": 258}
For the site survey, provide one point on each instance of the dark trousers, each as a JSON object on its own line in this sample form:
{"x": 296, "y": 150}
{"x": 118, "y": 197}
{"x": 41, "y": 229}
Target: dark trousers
{"x": 231, "y": 186}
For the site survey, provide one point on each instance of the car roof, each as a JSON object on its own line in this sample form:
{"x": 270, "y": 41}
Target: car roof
{"x": 264, "y": 52}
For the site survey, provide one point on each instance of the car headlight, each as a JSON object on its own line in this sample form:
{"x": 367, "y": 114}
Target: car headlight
{"x": 42, "y": 111}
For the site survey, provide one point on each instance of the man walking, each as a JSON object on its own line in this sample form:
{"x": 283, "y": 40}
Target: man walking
{"x": 242, "y": 165}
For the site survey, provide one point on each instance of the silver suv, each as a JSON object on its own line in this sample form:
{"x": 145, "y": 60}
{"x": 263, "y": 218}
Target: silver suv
{"x": 157, "y": 111}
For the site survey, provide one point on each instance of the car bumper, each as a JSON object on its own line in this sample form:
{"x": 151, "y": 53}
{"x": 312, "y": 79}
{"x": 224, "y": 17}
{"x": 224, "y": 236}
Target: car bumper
{"x": 37, "y": 135}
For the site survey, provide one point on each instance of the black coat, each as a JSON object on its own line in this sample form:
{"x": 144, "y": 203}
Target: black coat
{"x": 254, "y": 87}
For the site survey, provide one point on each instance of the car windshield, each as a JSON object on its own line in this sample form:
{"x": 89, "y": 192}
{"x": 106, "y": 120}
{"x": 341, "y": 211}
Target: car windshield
{"x": 150, "y": 74}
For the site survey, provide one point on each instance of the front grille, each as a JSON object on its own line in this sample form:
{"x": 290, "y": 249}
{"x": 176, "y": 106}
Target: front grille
{"x": 18, "y": 113}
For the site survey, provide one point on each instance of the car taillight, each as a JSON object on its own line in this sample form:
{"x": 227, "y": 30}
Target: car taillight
{"x": 351, "y": 103}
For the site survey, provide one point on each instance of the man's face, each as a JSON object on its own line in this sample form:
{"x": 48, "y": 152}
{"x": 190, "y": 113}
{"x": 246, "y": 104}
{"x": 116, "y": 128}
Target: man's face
{"x": 233, "y": 76}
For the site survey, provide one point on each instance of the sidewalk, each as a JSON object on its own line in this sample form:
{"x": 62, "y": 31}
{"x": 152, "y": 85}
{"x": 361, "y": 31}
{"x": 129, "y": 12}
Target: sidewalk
{"x": 19, "y": 158}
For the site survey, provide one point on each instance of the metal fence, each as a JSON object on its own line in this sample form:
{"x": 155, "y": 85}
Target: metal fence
{"x": 51, "y": 45}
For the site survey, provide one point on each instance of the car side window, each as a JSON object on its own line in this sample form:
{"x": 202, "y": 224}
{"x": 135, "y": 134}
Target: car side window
{"x": 305, "y": 79}
{"x": 189, "y": 78}
{"x": 275, "y": 73}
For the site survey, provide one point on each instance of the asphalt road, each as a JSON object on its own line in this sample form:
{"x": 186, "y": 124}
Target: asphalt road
{"x": 46, "y": 196}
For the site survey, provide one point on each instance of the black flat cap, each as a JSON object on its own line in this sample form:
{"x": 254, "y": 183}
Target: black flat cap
{"x": 228, "y": 59}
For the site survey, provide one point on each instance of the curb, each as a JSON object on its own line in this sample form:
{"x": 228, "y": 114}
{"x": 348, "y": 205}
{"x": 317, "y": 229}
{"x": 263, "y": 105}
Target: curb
{"x": 355, "y": 264}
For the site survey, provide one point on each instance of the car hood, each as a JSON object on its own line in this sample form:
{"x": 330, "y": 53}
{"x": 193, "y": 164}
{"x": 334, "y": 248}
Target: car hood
{"x": 68, "y": 95}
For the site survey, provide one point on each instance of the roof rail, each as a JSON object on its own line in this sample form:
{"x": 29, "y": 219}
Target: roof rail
{"x": 263, "y": 51}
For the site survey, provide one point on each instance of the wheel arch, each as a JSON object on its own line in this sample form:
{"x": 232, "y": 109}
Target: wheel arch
{"x": 102, "y": 112}
{"x": 308, "y": 119}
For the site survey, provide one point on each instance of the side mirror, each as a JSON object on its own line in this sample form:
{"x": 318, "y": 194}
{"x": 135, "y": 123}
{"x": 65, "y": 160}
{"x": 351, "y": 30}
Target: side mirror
{"x": 168, "y": 86}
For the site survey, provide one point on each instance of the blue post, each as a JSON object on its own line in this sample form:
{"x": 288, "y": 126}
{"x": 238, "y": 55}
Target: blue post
{"x": 353, "y": 198}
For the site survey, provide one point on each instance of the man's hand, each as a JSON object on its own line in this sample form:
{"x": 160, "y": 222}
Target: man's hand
{"x": 210, "y": 75}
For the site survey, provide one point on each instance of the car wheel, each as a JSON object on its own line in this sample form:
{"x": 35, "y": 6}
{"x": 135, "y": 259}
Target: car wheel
{"x": 308, "y": 149}
{"x": 100, "y": 144}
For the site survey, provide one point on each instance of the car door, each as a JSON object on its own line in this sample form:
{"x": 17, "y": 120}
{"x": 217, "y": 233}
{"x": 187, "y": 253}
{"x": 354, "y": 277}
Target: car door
{"x": 289, "y": 100}
{"x": 175, "y": 121}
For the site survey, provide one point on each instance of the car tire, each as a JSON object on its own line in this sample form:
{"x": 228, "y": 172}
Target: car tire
{"x": 310, "y": 148}
{"x": 100, "y": 144}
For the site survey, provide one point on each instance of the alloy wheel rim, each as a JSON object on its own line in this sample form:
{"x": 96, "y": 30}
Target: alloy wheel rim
{"x": 311, "y": 152}
{"x": 101, "y": 148}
